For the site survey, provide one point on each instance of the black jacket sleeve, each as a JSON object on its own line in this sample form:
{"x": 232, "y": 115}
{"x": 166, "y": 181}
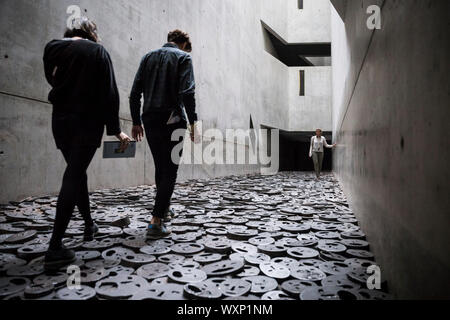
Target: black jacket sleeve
{"x": 48, "y": 67}
{"x": 187, "y": 87}
{"x": 109, "y": 94}
{"x": 136, "y": 94}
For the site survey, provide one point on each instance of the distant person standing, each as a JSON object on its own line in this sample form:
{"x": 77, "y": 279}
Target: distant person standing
{"x": 316, "y": 152}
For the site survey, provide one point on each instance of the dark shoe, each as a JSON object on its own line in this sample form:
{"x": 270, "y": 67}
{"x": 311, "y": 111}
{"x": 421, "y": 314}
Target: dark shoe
{"x": 156, "y": 232}
{"x": 90, "y": 232}
{"x": 169, "y": 215}
{"x": 57, "y": 259}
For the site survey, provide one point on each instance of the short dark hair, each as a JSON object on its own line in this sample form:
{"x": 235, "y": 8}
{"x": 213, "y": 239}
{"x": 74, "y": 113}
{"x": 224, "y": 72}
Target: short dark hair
{"x": 188, "y": 47}
{"x": 179, "y": 37}
{"x": 83, "y": 28}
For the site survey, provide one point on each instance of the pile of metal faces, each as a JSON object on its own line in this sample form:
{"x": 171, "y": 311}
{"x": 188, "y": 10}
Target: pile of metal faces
{"x": 282, "y": 237}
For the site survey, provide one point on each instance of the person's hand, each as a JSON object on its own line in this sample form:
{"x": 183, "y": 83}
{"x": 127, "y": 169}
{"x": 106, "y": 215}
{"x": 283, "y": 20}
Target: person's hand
{"x": 124, "y": 141}
{"x": 137, "y": 133}
{"x": 310, "y": 155}
{"x": 334, "y": 145}
{"x": 194, "y": 133}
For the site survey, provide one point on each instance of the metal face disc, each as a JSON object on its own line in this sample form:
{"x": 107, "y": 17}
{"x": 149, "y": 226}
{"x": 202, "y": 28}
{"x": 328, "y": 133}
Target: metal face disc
{"x": 333, "y": 268}
{"x": 155, "y": 250}
{"x": 223, "y": 268}
{"x": 12, "y": 285}
{"x": 202, "y": 290}
{"x": 207, "y": 257}
{"x": 308, "y": 274}
{"x": 235, "y": 287}
{"x": 187, "y": 275}
{"x": 153, "y": 271}
{"x": 256, "y": 258}
{"x": 136, "y": 260}
{"x": 274, "y": 270}
{"x": 303, "y": 253}
{"x": 249, "y": 271}
{"x": 169, "y": 291}
{"x": 330, "y": 293}
{"x": 187, "y": 248}
{"x": 295, "y": 287}
{"x": 276, "y": 295}
{"x": 340, "y": 280}
{"x": 261, "y": 284}
{"x": 84, "y": 293}
{"x": 121, "y": 287}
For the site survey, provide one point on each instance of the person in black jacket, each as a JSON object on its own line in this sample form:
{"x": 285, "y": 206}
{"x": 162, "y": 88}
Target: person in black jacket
{"x": 166, "y": 78}
{"x": 85, "y": 98}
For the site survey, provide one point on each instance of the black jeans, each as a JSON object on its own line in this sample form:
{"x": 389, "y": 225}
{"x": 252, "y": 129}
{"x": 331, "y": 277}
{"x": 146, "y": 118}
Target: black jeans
{"x": 74, "y": 192}
{"x": 159, "y": 137}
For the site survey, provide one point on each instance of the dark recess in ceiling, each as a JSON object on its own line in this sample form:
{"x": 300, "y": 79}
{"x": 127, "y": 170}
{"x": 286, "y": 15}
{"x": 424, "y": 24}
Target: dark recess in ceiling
{"x": 292, "y": 54}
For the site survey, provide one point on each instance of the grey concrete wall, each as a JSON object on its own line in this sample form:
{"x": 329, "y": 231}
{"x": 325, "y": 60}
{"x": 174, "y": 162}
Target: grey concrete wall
{"x": 310, "y": 24}
{"x": 314, "y": 110}
{"x": 235, "y": 78}
{"x": 391, "y": 114}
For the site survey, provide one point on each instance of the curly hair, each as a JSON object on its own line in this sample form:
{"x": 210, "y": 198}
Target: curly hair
{"x": 179, "y": 37}
{"x": 83, "y": 28}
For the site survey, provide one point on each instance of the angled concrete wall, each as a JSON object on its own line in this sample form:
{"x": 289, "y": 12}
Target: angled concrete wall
{"x": 391, "y": 114}
{"x": 236, "y": 78}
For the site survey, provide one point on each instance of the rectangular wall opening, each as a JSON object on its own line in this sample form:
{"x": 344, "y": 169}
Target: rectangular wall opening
{"x": 294, "y": 151}
{"x": 302, "y": 83}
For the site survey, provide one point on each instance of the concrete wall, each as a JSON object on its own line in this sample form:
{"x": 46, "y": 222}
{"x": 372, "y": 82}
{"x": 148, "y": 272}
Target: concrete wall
{"x": 391, "y": 114}
{"x": 311, "y": 24}
{"x": 313, "y": 110}
{"x": 236, "y": 78}
{"x": 308, "y": 25}
{"x": 228, "y": 55}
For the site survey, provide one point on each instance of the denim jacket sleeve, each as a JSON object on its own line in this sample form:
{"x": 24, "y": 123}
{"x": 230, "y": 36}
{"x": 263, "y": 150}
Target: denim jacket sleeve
{"x": 187, "y": 87}
{"x": 136, "y": 94}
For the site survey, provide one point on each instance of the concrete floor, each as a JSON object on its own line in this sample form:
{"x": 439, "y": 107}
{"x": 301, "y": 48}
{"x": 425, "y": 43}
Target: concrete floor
{"x": 243, "y": 238}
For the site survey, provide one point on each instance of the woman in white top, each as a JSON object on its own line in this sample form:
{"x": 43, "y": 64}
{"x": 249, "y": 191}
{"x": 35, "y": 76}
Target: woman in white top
{"x": 316, "y": 151}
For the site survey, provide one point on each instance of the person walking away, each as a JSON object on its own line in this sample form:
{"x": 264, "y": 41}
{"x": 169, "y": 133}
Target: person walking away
{"x": 166, "y": 79}
{"x": 85, "y": 98}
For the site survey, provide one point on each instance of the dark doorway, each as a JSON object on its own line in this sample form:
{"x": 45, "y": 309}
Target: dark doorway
{"x": 294, "y": 151}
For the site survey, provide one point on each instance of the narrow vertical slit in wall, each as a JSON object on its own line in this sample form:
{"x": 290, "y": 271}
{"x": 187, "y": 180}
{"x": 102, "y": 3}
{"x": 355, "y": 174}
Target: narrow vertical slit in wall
{"x": 252, "y": 134}
{"x": 302, "y": 83}
{"x": 300, "y": 4}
